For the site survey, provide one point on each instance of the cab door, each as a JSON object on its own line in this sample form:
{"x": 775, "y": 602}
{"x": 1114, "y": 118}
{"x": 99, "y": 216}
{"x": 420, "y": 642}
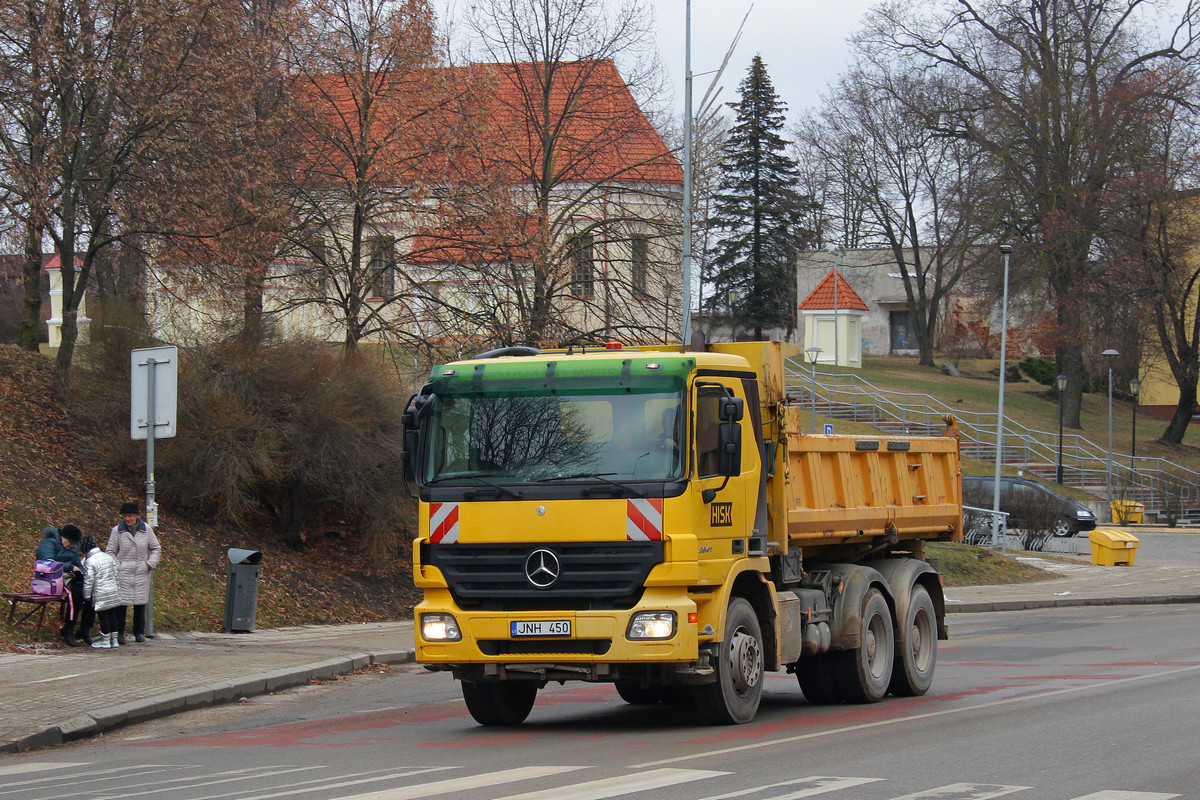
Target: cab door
{"x": 722, "y": 522}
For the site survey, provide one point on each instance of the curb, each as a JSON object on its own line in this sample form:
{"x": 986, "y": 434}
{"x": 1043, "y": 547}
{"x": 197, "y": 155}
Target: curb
{"x": 165, "y": 705}
{"x": 1067, "y": 602}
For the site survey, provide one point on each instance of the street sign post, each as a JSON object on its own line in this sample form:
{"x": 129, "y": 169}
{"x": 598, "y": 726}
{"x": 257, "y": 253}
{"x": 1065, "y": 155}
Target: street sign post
{"x": 154, "y": 378}
{"x": 153, "y": 389}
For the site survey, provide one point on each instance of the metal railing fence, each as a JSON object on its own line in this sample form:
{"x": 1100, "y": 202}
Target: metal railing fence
{"x": 1162, "y": 486}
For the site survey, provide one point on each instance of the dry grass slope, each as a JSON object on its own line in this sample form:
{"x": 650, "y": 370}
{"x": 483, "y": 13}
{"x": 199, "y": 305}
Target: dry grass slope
{"x": 52, "y": 472}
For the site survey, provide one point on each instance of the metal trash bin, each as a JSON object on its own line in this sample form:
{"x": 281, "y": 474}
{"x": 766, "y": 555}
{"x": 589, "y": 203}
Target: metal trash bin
{"x": 241, "y": 589}
{"x": 1126, "y": 512}
{"x": 1111, "y": 548}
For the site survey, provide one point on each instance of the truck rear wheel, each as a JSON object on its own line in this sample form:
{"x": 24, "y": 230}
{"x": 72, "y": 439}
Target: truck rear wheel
{"x": 912, "y": 674}
{"x": 815, "y": 675}
{"x": 864, "y": 673}
{"x": 496, "y": 704}
{"x": 734, "y": 697}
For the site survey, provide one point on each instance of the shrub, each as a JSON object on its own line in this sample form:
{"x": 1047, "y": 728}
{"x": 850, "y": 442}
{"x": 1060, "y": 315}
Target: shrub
{"x": 1040, "y": 370}
{"x": 291, "y": 433}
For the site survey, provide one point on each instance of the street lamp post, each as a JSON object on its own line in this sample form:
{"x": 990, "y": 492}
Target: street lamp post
{"x": 1061, "y": 383}
{"x": 1006, "y": 250}
{"x": 812, "y": 353}
{"x": 1135, "y": 388}
{"x": 686, "y": 293}
{"x": 1110, "y": 355}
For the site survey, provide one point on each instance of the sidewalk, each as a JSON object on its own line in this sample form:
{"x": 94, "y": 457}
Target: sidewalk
{"x": 60, "y": 695}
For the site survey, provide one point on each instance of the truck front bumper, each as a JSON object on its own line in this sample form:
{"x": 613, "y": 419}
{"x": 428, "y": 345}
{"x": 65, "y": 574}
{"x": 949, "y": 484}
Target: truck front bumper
{"x": 595, "y": 638}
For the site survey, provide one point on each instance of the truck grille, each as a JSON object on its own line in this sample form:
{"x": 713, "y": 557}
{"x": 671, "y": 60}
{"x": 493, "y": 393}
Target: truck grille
{"x": 590, "y": 575}
{"x": 570, "y": 647}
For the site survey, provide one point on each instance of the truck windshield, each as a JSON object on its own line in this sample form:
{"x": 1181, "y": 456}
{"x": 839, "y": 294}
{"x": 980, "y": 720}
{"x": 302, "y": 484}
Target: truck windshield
{"x": 584, "y": 436}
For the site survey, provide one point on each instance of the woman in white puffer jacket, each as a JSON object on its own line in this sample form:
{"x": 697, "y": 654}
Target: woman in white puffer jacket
{"x": 102, "y": 588}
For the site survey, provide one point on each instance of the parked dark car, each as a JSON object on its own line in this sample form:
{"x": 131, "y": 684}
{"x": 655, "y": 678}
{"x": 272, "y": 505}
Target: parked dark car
{"x": 1020, "y": 497}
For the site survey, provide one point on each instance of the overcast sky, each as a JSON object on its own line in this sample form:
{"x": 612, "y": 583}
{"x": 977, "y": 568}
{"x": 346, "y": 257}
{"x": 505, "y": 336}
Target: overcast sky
{"x": 802, "y": 43}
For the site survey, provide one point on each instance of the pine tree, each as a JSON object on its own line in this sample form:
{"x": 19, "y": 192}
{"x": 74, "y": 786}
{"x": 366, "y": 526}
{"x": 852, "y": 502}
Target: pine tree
{"x": 757, "y": 214}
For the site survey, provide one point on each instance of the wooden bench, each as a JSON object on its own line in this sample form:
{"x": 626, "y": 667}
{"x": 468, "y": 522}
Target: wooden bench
{"x": 39, "y": 602}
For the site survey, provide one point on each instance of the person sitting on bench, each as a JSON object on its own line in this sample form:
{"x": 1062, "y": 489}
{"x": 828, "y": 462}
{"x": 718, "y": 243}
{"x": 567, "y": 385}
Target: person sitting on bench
{"x": 61, "y": 545}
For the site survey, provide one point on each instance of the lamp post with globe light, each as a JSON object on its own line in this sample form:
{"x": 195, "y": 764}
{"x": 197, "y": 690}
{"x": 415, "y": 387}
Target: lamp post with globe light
{"x": 1135, "y": 388}
{"x": 1061, "y": 383}
{"x": 812, "y": 354}
{"x": 1110, "y": 355}
{"x": 1006, "y": 249}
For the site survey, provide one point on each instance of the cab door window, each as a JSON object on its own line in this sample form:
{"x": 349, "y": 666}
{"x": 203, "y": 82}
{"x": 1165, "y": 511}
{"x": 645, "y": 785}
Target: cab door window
{"x": 708, "y": 423}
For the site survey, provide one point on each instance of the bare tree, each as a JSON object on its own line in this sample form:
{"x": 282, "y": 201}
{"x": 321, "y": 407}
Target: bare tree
{"x": 27, "y": 169}
{"x": 592, "y": 179}
{"x": 900, "y": 185}
{"x": 370, "y": 131}
{"x": 1057, "y": 94}
{"x": 1155, "y": 267}
{"x": 109, "y": 90}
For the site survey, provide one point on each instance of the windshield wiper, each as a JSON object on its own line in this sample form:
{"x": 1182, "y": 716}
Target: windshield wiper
{"x": 500, "y": 488}
{"x": 595, "y": 476}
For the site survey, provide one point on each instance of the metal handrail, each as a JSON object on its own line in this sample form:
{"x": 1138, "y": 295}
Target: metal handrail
{"x": 1155, "y": 482}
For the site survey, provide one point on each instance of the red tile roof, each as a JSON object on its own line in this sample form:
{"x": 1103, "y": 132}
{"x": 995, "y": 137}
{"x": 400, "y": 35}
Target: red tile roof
{"x": 821, "y": 298}
{"x": 482, "y": 122}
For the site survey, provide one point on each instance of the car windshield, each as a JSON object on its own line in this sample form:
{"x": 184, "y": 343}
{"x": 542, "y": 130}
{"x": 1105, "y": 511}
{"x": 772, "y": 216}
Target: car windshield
{"x": 581, "y": 434}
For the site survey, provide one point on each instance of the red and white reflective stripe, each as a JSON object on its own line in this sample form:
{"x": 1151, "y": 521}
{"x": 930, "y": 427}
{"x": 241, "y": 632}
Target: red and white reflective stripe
{"x": 643, "y": 522}
{"x": 443, "y": 523}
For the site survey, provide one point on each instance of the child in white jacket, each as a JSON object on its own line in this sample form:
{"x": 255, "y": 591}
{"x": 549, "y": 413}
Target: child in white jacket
{"x": 101, "y": 588}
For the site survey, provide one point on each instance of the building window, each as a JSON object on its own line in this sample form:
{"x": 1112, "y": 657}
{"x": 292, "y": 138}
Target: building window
{"x": 381, "y": 267}
{"x": 639, "y": 262}
{"x": 583, "y": 276}
{"x": 903, "y": 336}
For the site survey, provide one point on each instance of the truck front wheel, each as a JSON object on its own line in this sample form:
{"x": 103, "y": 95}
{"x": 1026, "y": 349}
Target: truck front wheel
{"x": 735, "y": 695}
{"x": 864, "y": 673}
{"x": 496, "y": 704}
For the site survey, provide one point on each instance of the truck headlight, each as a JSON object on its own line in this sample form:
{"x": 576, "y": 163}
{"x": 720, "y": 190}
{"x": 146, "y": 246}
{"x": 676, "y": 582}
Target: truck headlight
{"x": 440, "y": 628}
{"x": 652, "y": 625}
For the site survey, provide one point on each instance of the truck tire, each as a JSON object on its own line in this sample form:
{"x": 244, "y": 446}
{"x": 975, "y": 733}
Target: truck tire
{"x": 912, "y": 674}
{"x": 635, "y": 694}
{"x": 734, "y": 697}
{"x": 815, "y": 675}
{"x": 497, "y": 704}
{"x": 864, "y": 673}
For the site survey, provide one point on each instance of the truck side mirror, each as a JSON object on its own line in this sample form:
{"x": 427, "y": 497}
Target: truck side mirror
{"x": 731, "y": 409}
{"x": 417, "y": 407}
{"x": 729, "y": 447}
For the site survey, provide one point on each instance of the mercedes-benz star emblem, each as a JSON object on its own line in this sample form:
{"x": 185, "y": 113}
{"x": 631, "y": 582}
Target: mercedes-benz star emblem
{"x": 542, "y": 568}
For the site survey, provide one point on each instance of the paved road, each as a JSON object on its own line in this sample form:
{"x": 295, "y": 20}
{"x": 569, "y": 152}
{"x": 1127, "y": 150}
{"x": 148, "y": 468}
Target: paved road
{"x": 1056, "y": 704}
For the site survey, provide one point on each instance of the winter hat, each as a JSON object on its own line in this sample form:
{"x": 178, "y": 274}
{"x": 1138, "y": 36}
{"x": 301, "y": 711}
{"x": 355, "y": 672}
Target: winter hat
{"x": 70, "y": 533}
{"x": 87, "y": 544}
{"x": 130, "y": 508}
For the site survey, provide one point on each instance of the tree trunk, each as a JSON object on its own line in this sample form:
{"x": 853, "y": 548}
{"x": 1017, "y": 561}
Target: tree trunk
{"x": 1182, "y": 417}
{"x": 31, "y": 316}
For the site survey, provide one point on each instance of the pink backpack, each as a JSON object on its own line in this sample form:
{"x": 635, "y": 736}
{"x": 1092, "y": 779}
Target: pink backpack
{"x": 47, "y": 578}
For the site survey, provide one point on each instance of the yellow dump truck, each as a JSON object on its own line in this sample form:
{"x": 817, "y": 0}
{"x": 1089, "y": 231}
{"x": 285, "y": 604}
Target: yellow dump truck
{"x": 658, "y": 520}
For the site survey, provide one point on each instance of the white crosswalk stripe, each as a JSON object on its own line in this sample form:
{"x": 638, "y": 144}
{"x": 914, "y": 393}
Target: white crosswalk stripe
{"x": 799, "y": 788}
{"x": 38, "y": 766}
{"x": 458, "y": 785}
{"x": 964, "y": 791}
{"x": 620, "y": 785}
{"x": 1116, "y": 795}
